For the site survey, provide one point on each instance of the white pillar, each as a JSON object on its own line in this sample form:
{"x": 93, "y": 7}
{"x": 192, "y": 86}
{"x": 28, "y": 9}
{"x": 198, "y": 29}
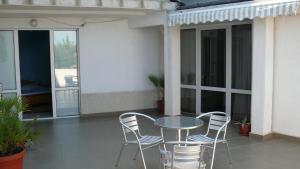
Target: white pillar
{"x": 262, "y": 78}
{"x": 172, "y": 69}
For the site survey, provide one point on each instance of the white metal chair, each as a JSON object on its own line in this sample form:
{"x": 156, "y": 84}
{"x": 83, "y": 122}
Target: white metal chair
{"x": 184, "y": 155}
{"x": 132, "y": 135}
{"x": 218, "y": 122}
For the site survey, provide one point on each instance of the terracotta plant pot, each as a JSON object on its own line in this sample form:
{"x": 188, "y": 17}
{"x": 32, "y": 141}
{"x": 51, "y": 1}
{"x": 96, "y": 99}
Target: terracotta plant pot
{"x": 13, "y": 161}
{"x": 245, "y": 129}
{"x": 161, "y": 106}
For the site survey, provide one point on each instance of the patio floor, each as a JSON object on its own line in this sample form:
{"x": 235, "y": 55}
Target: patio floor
{"x": 94, "y": 143}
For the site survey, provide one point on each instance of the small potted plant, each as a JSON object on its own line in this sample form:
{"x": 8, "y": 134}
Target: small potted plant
{"x": 245, "y": 127}
{"x": 14, "y": 134}
{"x": 159, "y": 83}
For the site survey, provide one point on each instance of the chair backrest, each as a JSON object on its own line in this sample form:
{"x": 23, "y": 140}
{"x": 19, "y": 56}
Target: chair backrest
{"x": 129, "y": 124}
{"x": 217, "y": 120}
{"x": 183, "y": 155}
{"x": 186, "y": 153}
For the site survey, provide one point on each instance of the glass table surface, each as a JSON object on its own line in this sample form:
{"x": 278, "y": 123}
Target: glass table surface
{"x": 178, "y": 122}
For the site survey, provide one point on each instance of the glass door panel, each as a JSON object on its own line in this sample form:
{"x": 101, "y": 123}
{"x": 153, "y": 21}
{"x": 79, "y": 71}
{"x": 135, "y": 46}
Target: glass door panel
{"x": 241, "y": 57}
{"x": 188, "y": 100}
{"x": 213, "y": 58}
{"x": 240, "y": 106}
{"x": 188, "y": 57}
{"x": 7, "y": 60}
{"x": 9, "y": 95}
{"x": 67, "y": 102}
{"x": 66, "y": 73}
{"x": 65, "y": 61}
{"x": 212, "y": 101}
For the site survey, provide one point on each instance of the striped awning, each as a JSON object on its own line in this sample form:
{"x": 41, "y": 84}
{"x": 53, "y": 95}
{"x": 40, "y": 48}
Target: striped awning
{"x": 235, "y": 11}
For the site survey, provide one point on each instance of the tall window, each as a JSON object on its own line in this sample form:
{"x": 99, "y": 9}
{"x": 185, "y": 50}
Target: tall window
{"x": 216, "y": 70}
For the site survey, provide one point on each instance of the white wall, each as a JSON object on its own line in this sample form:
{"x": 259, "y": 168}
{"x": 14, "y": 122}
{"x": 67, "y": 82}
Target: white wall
{"x": 114, "y": 61}
{"x": 286, "y": 112}
{"x": 262, "y": 76}
{"x": 115, "y": 64}
{"x": 115, "y": 58}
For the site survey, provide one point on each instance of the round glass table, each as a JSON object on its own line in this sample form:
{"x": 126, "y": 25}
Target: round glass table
{"x": 178, "y": 123}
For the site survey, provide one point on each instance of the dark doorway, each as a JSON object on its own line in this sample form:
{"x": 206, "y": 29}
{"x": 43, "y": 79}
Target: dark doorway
{"x": 35, "y": 73}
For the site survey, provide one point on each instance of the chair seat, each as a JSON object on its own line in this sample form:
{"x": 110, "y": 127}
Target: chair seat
{"x": 147, "y": 140}
{"x": 203, "y": 138}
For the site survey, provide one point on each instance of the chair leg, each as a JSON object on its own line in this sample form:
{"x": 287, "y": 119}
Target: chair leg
{"x": 119, "y": 156}
{"x": 136, "y": 154}
{"x": 229, "y": 153}
{"x": 142, "y": 155}
{"x": 213, "y": 157}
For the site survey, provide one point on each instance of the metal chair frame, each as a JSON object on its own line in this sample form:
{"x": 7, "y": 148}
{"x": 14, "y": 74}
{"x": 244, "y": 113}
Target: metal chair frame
{"x": 130, "y": 125}
{"x": 182, "y": 152}
{"x": 218, "y": 121}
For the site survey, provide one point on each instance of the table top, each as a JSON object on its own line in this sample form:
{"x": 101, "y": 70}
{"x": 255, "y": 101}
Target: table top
{"x": 178, "y": 122}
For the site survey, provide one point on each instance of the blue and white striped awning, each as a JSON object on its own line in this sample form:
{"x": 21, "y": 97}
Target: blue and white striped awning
{"x": 235, "y": 11}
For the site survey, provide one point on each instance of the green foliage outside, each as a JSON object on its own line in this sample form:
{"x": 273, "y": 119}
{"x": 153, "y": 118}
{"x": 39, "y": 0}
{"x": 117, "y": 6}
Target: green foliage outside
{"x": 65, "y": 54}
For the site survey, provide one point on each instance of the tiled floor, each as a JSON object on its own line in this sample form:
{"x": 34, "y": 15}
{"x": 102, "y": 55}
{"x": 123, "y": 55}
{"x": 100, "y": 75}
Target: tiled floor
{"x": 94, "y": 143}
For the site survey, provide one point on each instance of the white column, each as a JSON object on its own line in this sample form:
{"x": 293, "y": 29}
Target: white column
{"x": 262, "y": 78}
{"x": 172, "y": 69}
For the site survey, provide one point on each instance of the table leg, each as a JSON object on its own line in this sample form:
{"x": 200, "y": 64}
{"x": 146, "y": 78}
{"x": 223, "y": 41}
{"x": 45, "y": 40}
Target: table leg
{"x": 179, "y": 135}
{"x": 162, "y": 136}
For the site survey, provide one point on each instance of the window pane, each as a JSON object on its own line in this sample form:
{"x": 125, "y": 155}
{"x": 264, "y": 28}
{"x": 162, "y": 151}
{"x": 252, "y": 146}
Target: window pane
{"x": 67, "y": 103}
{"x": 241, "y": 57}
{"x": 240, "y": 106}
{"x": 213, "y": 60}
{"x": 188, "y": 100}
{"x": 9, "y": 95}
{"x": 188, "y": 57}
{"x": 212, "y": 101}
{"x": 7, "y": 60}
{"x": 65, "y": 61}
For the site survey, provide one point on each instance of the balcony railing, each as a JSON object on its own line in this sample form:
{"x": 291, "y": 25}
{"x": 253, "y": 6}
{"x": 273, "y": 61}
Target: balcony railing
{"x": 135, "y": 4}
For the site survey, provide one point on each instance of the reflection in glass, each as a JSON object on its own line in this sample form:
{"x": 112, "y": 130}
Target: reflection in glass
{"x": 212, "y": 101}
{"x": 213, "y": 60}
{"x": 67, "y": 103}
{"x": 188, "y": 57}
{"x": 240, "y": 107}
{"x": 9, "y": 95}
{"x": 65, "y": 61}
{"x": 7, "y": 60}
{"x": 188, "y": 100}
{"x": 241, "y": 57}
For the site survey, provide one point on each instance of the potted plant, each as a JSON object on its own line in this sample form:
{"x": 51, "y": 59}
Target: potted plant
{"x": 14, "y": 134}
{"x": 159, "y": 83}
{"x": 245, "y": 127}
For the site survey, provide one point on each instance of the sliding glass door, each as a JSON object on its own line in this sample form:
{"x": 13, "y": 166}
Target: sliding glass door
{"x": 65, "y": 70}
{"x": 216, "y": 70}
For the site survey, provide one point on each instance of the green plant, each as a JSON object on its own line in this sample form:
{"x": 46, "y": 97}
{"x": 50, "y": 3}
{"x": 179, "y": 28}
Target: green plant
{"x": 244, "y": 122}
{"x": 14, "y": 134}
{"x": 159, "y": 83}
